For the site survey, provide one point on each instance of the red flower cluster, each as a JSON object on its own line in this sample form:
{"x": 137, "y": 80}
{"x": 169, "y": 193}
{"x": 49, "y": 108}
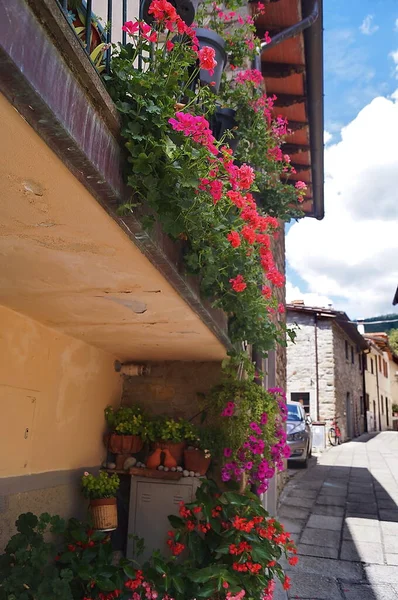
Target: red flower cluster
{"x": 238, "y": 283}
{"x": 240, "y": 548}
{"x": 206, "y": 59}
{"x": 184, "y": 511}
{"x": 196, "y": 127}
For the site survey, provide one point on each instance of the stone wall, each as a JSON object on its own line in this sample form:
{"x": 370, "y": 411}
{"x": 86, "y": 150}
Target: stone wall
{"x": 348, "y": 380}
{"x": 172, "y": 388}
{"x": 301, "y": 369}
{"x": 326, "y": 370}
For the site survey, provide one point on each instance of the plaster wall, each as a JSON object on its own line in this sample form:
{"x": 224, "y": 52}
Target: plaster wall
{"x": 53, "y": 391}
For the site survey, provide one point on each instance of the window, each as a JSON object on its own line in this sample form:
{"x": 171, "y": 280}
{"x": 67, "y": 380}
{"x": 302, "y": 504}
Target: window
{"x": 303, "y": 398}
{"x": 365, "y": 361}
{"x": 380, "y": 369}
{"x": 352, "y": 355}
{"x": 367, "y": 402}
{"x": 382, "y": 406}
{"x": 346, "y": 349}
{"x": 385, "y": 368}
{"x": 372, "y": 366}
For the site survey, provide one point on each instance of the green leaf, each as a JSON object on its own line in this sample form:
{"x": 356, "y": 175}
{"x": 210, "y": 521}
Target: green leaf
{"x": 104, "y": 584}
{"x": 178, "y": 584}
{"x": 207, "y": 590}
{"x": 176, "y": 522}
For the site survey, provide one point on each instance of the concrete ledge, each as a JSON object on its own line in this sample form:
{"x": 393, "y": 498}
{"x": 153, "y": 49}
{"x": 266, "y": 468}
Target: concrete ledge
{"x": 54, "y": 86}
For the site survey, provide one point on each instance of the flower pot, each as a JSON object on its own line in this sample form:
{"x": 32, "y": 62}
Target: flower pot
{"x": 207, "y": 37}
{"x": 123, "y": 444}
{"x": 176, "y": 449}
{"x": 97, "y": 35}
{"x": 104, "y": 514}
{"x": 221, "y": 121}
{"x": 186, "y": 9}
{"x": 195, "y": 460}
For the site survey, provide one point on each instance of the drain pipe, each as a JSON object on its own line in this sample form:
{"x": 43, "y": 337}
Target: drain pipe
{"x": 316, "y": 364}
{"x": 293, "y": 30}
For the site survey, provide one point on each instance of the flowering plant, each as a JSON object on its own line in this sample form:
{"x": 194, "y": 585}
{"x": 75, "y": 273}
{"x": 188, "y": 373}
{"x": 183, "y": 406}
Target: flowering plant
{"x": 260, "y": 135}
{"x": 241, "y": 43}
{"x": 233, "y": 547}
{"x": 100, "y": 486}
{"x": 251, "y": 440}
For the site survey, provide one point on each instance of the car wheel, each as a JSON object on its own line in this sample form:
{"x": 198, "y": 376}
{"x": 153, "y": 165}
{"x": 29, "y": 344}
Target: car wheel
{"x": 309, "y": 450}
{"x": 305, "y": 463}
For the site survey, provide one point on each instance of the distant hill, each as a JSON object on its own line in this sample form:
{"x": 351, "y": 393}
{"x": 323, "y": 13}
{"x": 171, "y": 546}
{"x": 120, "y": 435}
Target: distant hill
{"x": 369, "y": 328}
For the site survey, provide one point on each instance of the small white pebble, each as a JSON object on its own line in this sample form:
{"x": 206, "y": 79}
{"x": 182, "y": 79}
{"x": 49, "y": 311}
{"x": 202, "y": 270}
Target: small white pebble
{"x": 160, "y": 468}
{"x": 192, "y": 473}
{"x": 166, "y": 469}
{"x": 197, "y": 475}
{"x": 185, "y": 473}
{"x": 173, "y": 469}
{"x": 179, "y": 469}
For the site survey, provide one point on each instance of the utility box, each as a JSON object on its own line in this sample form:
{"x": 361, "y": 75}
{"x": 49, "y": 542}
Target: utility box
{"x": 318, "y": 436}
{"x": 151, "y": 502}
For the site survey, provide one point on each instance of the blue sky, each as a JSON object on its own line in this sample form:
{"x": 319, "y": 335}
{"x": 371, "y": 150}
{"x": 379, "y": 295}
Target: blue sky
{"x": 360, "y": 39}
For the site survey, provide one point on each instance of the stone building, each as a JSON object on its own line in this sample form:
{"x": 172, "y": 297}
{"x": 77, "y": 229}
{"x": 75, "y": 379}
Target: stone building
{"x": 325, "y": 367}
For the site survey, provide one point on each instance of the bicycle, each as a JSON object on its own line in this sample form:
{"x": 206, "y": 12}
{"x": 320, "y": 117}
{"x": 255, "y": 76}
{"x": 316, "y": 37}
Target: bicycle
{"x": 334, "y": 434}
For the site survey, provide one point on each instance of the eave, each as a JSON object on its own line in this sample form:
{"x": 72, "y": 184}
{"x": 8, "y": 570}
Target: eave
{"x": 293, "y": 71}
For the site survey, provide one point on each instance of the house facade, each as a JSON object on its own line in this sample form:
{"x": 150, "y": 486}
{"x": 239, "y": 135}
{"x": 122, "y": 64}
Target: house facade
{"x": 83, "y": 287}
{"x": 381, "y": 382}
{"x": 324, "y": 367}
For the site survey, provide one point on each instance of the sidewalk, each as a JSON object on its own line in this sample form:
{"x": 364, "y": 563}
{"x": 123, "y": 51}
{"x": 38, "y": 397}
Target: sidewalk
{"x": 343, "y": 514}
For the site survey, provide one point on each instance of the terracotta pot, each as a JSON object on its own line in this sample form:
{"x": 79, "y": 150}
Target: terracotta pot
{"x": 195, "y": 460}
{"x": 169, "y": 461}
{"x": 176, "y": 449}
{"x": 104, "y": 514}
{"x": 123, "y": 444}
{"x": 155, "y": 459}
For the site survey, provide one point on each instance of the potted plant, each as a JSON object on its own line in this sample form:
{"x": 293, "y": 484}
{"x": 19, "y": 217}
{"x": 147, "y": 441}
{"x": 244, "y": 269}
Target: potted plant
{"x": 101, "y": 491}
{"x": 223, "y": 123}
{"x": 128, "y": 429}
{"x": 186, "y": 9}
{"x": 395, "y": 410}
{"x": 169, "y": 437}
{"x": 197, "y": 457}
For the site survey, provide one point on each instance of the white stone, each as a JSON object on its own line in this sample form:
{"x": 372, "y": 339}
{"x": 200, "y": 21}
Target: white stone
{"x": 185, "y": 473}
{"x": 129, "y": 462}
{"x": 192, "y": 473}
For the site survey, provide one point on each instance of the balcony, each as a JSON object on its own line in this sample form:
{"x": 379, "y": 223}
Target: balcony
{"x": 68, "y": 259}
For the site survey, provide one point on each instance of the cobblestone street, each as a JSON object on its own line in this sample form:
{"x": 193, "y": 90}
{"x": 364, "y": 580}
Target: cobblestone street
{"x": 343, "y": 514}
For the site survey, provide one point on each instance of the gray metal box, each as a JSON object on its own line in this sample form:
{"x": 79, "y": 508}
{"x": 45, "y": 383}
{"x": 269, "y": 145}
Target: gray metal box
{"x": 151, "y": 501}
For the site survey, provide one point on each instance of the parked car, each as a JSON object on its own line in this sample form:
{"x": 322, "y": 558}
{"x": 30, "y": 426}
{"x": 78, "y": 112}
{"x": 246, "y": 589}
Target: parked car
{"x": 299, "y": 434}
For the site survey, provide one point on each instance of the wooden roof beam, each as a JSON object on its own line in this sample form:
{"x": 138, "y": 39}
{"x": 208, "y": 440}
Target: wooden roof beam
{"x": 281, "y": 70}
{"x": 288, "y": 99}
{"x": 296, "y": 148}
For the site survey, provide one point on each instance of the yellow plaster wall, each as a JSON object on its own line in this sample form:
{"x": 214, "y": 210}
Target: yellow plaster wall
{"x": 56, "y": 387}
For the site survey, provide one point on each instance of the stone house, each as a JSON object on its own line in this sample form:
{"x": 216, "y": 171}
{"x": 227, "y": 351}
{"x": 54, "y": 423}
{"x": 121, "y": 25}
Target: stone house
{"x": 381, "y": 381}
{"x": 325, "y": 367}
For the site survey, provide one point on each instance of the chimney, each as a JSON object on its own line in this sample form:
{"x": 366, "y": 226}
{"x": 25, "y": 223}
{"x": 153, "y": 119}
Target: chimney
{"x": 361, "y": 326}
{"x": 297, "y": 302}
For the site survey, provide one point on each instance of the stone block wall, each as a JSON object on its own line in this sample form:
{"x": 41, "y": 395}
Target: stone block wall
{"x": 348, "y": 379}
{"x": 301, "y": 368}
{"x": 326, "y": 371}
{"x": 172, "y": 388}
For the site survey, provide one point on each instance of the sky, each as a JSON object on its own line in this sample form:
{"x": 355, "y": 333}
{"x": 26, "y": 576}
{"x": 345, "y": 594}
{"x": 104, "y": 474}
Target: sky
{"x": 350, "y": 258}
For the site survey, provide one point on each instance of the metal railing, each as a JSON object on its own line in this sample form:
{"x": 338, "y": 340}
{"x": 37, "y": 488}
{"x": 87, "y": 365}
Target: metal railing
{"x": 91, "y": 18}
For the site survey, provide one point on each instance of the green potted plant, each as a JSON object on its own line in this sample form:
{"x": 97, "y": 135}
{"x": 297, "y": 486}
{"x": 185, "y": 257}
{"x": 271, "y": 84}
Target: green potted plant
{"x": 128, "y": 427}
{"x": 395, "y": 409}
{"x": 169, "y": 437}
{"x": 101, "y": 491}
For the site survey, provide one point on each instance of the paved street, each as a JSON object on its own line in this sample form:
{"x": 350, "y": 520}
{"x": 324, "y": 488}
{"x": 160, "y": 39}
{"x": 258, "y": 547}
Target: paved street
{"x": 343, "y": 514}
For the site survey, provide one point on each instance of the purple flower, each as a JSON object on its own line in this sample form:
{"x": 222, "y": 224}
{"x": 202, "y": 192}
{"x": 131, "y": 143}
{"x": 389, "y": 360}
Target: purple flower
{"x": 254, "y": 427}
{"x": 227, "y": 452}
{"x": 286, "y": 451}
{"x": 228, "y": 410}
{"x": 264, "y": 419}
{"x": 249, "y": 466}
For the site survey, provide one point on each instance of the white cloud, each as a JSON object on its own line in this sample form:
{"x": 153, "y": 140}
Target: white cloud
{"x": 327, "y": 136}
{"x": 352, "y": 255}
{"x": 394, "y": 56}
{"x": 367, "y": 27}
{"x": 310, "y": 299}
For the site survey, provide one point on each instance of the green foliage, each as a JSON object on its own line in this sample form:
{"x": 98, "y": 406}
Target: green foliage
{"x": 393, "y": 339}
{"x": 100, "y": 486}
{"x": 250, "y": 400}
{"x": 26, "y": 569}
{"x": 395, "y": 408}
{"x": 127, "y": 420}
{"x": 172, "y": 430}
{"x": 387, "y": 327}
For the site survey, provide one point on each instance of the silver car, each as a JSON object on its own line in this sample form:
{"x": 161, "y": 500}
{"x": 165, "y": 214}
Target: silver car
{"x": 299, "y": 434}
